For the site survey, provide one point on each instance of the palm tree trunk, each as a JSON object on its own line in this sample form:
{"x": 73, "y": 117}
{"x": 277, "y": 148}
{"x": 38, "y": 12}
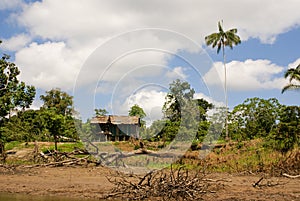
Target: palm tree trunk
{"x": 226, "y": 93}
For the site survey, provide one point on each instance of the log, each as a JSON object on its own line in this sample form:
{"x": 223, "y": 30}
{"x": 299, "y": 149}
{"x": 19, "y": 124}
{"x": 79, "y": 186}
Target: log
{"x": 257, "y": 183}
{"x": 291, "y": 176}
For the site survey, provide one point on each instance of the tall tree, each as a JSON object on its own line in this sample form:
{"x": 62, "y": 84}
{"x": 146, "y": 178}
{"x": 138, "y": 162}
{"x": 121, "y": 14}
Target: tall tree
{"x": 53, "y": 122}
{"x": 56, "y": 112}
{"x": 180, "y": 95}
{"x": 293, "y": 74}
{"x": 287, "y": 134}
{"x": 254, "y": 118}
{"x": 181, "y": 112}
{"x": 220, "y": 40}
{"x": 13, "y": 93}
{"x": 136, "y": 110}
{"x": 58, "y": 100}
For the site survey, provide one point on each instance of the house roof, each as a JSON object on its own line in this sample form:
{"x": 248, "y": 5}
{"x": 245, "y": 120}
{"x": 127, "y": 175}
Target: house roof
{"x": 116, "y": 119}
{"x": 100, "y": 120}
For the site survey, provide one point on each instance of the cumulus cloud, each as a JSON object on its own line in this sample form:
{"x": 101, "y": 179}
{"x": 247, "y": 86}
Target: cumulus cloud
{"x": 151, "y": 101}
{"x": 69, "y": 31}
{"x": 73, "y": 19}
{"x": 10, "y": 4}
{"x": 177, "y": 73}
{"x": 16, "y": 42}
{"x": 209, "y": 99}
{"x": 82, "y": 27}
{"x": 294, "y": 64}
{"x": 248, "y": 75}
{"x": 48, "y": 65}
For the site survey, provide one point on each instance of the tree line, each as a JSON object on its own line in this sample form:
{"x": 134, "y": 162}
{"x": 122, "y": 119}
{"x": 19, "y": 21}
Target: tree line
{"x": 183, "y": 115}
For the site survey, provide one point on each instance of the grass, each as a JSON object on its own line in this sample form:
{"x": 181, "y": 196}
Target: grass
{"x": 12, "y": 145}
{"x": 64, "y": 147}
{"x": 248, "y": 156}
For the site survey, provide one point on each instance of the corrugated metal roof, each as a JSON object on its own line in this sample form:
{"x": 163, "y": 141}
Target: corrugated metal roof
{"x": 116, "y": 119}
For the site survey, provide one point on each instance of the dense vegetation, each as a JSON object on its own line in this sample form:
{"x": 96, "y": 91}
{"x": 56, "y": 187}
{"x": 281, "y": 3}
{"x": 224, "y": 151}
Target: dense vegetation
{"x": 185, "y": 118}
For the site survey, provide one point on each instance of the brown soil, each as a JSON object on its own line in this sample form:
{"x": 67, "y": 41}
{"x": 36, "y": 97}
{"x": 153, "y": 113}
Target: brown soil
{"x": 91, "y": 182}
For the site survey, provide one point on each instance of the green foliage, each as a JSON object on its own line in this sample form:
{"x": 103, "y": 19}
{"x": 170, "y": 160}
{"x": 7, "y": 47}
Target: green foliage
{"x": 47, "y": 124}
{"x": 286, "y": 136}
{"x": 58, "y": 100}
{"x": 292, "y": 74}
{"x": 13, "y": 94}
{"x": 86, "y": 130}
{"x": 185, "y": 117}
{"x": 223, "y": 38}
{"x": 101, "y": 112}
{"x": 220, "y": 40}
{"x": 180, "y": 96}
{"x": 64, "y": 147}
{"x": 254, "y": 118}
{"x": 203, "y": 131}
{"x": 12, "y": 144}
{"x": 136, "y": 110}
{"x": 155, "y": 131}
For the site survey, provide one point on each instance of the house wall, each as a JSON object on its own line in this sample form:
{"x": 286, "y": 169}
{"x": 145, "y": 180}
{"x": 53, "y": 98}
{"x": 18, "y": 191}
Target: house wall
{"x": 121, "y": 132}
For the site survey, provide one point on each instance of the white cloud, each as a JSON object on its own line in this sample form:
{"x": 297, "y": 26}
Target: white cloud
{"x": 48, "y": 65}
{"x": 72, "y": 19}
{"x": 248, "y": 75}
{"x": 10, "y": 4}
{"x": 151, "y": 101}
{"x": 69, "y": 31}
{"x": 177, "y": 72}
{"x": 72, "y": 30}
{"x": 294, "y": 64}
{"x": 16, "y": 42}
{"x": 209, "y": 99}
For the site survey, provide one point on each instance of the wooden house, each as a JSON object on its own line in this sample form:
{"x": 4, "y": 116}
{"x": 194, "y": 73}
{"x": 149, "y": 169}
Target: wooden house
{"x": 116, "y": 128}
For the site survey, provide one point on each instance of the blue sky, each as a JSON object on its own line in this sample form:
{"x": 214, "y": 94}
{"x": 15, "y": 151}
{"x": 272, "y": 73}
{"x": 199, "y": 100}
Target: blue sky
{"x": 113, "y": 54}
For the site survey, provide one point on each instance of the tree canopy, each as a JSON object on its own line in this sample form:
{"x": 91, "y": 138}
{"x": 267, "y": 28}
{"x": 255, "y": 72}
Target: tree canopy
{"x": 14, "y": 94}
{"x": 294, "y": 75}
{"x": 101, "y": 112}
{"x": 58, "y": 100}
{"x": 179, "y": 96}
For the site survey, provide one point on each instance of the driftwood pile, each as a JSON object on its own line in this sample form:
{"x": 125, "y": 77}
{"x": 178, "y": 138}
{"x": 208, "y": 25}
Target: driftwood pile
{"x": 167, "y": 184}
{"x": 288, "y": 166}
{"x": 57, "y": 158}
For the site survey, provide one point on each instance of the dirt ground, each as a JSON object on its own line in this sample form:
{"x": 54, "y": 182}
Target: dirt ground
{"x": 91, "y": 182}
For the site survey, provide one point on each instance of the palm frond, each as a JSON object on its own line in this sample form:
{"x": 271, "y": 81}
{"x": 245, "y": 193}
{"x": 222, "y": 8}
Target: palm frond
{"x": 290, "y": 87}
{"x": 219, "y": 47}
{"x": 212, "y": 38}
{"x": 293, "y": 73}
{"x": 220, "y": 27}
{"x": 222, "y": 38}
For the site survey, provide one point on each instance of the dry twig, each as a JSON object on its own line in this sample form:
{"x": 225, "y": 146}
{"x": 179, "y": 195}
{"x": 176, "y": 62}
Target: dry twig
{"x": 178, "y": 184}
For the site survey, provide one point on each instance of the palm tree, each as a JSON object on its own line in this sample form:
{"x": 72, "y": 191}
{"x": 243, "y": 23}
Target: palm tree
{"x": 294, "y": 74}
{"x": 220, "y": 40}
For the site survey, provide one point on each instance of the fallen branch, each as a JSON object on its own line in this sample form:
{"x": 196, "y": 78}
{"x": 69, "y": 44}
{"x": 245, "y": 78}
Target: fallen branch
{"x": 291, "y": 176}
{"x": 256, "y": 184}
{"x": 179, "y": 184}
{"x": 69, "y": 162}
{"x": 108, "y": 159}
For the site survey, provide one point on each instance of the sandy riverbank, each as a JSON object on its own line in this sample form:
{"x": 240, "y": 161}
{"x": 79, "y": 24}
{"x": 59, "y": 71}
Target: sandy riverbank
{"x": 91, "y": 182}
